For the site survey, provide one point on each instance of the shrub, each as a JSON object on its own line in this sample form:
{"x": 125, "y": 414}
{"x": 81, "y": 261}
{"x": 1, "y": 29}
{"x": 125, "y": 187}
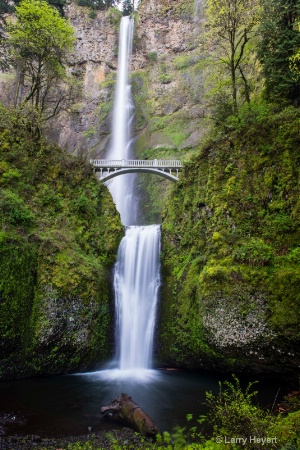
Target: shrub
{"x": 92, "y": 14}
{"x": 232, "y": 413}
{"x": 255, "y": 252}
{"x": 152, "y": 56}
{"x": 14, "y": 210}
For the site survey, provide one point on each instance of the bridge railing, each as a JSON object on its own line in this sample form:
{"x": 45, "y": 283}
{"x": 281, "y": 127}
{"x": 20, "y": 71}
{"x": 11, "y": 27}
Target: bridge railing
{"x": 160, "y": 163}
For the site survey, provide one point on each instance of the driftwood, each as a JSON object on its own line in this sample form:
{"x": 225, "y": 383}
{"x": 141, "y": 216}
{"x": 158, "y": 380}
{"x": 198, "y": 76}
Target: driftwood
{"x": 123, "y": 408}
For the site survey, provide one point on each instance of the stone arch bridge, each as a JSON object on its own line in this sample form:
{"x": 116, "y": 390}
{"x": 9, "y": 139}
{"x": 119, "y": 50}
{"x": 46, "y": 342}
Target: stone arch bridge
{"x": 112, "y": 168}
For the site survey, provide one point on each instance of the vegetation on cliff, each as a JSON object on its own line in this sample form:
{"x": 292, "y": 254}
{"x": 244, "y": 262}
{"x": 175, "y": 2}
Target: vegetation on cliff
{"x": 231, "y": 247}
{"x": 58, "y": 240}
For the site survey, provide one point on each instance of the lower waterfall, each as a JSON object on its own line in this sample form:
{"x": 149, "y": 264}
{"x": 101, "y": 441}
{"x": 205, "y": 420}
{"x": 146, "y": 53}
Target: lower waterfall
{"x": 136, "y": 285}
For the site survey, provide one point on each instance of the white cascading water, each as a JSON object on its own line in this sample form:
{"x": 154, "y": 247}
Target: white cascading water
{"x": 137, "y": 271}
{"x": 121, "y": 188}
{"x": 137, "y": 280}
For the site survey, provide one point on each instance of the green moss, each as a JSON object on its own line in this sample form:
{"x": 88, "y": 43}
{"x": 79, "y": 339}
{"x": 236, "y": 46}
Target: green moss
{"x": 139, "y": 82}
{"x": 183, "y": 9}
{"x": 59, "y": 233}
{"x": 18, "y": 264}
{"x": 231, "y": 232}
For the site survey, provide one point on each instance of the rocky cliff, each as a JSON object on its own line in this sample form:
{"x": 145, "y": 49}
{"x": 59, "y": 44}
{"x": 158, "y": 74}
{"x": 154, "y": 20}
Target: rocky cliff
{"x": 167, "y": 90}
{"x": 230, "y": 296}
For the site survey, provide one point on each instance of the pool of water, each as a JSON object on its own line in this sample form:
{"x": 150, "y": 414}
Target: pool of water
{"x": 68, "y": 405}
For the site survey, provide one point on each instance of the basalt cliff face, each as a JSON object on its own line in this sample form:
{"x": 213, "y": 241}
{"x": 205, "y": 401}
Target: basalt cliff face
{"x": 85, "y": 129}
{"x": 167, "y": 99}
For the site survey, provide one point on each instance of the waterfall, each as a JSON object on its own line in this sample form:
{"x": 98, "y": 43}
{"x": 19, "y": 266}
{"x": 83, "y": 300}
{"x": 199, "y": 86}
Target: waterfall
{"x": 136, "y": 284}
{"x": 137, "y": 271}
{"x": 122, "y": 189}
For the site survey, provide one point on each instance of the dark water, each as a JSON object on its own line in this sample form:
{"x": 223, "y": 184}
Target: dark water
{"x": 68, "y": 405}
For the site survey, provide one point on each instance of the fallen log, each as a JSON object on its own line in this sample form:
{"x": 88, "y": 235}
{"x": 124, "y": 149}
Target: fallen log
{"x": 125, "y": 409}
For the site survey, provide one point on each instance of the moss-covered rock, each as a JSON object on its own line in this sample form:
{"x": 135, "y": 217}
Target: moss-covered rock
{"x": 58, "y": 240}
{"x": 231, "y": 234}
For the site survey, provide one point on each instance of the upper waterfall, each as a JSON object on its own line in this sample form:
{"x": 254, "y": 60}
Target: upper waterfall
{"x": 122, "y": 189}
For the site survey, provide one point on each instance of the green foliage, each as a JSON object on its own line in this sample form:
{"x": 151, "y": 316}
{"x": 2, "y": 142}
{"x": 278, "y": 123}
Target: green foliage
{"x": 92, "y": 14}
{"x": 248, "y": 114}
{"x": 171, "y": 127}
{"x": 79, "y": 446}
{"x": 18, "y": 263}
{"x": 232, "y": 413}
{"x": 58, "y": 4}
{"x": 164, "y": 78}
{"x": 184, "y": 61}
{"x": 254, "y": 252}
{"x": 286, "y": 428}
{"x": 295, "y": 61}
{"x": 15, "y": 211}
{"x": 139, "y": 84}
{"x": 127, "y": 7}
{"x": 280, "y": 41}
{"x": 39, "y": 34}
{"x": 39, "y": 41}
{"x": 114, "y": 16}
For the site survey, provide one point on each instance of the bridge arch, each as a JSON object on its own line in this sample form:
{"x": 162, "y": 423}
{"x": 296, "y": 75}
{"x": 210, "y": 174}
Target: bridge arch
{"x": 118, "y": 172}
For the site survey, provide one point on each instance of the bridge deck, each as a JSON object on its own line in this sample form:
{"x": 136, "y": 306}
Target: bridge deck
{"x": 126, "y": 163}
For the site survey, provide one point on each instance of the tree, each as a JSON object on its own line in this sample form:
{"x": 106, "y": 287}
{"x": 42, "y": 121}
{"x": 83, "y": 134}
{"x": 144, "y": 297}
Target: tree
{"x": 98, "y": 4}
{"x": 7, "y": 8}
{"x": 230, "y": 24}
{"x": 40, "y": 40}
{"x": 280, "y": 41}
{"x": 59, "y": 5}
{"x": 295, "y": 61}
{"x": 127, "y": 7}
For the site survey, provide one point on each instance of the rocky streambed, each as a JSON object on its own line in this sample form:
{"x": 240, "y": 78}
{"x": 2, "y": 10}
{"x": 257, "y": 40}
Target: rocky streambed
{"x": 123, "y": 436}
